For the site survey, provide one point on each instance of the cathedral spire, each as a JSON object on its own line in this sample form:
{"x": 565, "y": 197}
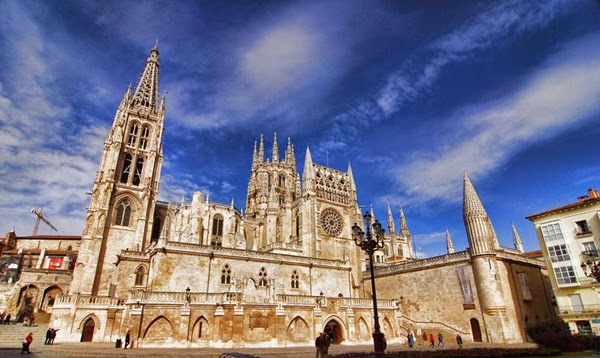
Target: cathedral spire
{"x": 307, "y": 174}
{"x": 449, "y": 245}
{"x": 477, "y": 222}
{"x": 517, "y": 239}
{"x": 390, "y": 218}
{"x": 351, "y": 178}
{"x": 403, "y": 226}
{"x": 254, "y": 156}
{"x": 146, "y": 93}
{"x": 275, "y": 150}
{"x": 372, "y": 214}
{"x": 261, "y": 150}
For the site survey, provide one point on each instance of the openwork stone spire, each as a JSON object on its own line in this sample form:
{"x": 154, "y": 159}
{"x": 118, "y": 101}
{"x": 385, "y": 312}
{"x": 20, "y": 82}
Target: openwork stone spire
{"x": 146, "y": 93}
{"x": 449, "y": 244}
{"x": 391, "y": 226}
{"x": 403, "y": 226}
{"x": 275, "y": 150}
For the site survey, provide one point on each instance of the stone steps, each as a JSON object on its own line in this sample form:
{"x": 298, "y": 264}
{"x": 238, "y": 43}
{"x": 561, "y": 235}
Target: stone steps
{"x": 14, "y": 333}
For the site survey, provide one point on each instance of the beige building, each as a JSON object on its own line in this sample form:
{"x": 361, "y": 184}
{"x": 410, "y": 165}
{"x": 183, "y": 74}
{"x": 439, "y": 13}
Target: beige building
{"x": 569, "y": 236}
{"x": 201, "y": 273}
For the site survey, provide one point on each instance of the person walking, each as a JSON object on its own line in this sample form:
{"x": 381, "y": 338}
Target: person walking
{"x": 127, "y": 340}
{"x": 48, "y": 334}
{"x": 411, "y": 339}
{"x": 431, "y": 341}
{"x": 459, "y": 341}
{"x": 7, "y": 319}
{"x": 26, "y": 343}
{"x": 322, "y": 344}
{"x": 440, "y": 339}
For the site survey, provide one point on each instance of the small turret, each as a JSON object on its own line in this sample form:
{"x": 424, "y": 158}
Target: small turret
{"x": 517, "y": 239}
{"x": 308, "y": 173}
{"x": 477, "y": 221}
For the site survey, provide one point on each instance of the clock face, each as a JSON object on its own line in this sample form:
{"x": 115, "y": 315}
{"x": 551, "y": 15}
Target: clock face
{"x": 331, "y": 222}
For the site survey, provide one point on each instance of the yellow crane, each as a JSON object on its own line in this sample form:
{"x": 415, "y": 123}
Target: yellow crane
{"x": 41, "y": 217}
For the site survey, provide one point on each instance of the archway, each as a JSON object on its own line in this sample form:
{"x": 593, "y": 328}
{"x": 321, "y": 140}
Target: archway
{"x": 49, "y": 297}
{"x": 334, "y": 332}
{"x": 201, "y": 330}
{"x": 297, "y": 330}
{"x": 27, "y": 302}
{"x": 87, "y": 334}
{"x": 160, "y": 330}
{"x": 363, "y": 330}
{"x": 475, "y": 330}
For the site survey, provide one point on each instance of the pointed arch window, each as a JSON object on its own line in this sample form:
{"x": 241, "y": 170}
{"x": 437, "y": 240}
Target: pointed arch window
{"x": 156, "y": 227}
{"x": 133, "y": 132}
{"x": 127, "y": 162}
{"x": 295, "y": 280}
{"x": 139, "y": 165}
{"x": 262, "y": 277}
{"x": 123, "y": 213}
{"x": 226, "y": 275}
{"x": 145, "y": 135}
{"x": 140, "y": 275}
{"x": 217, "y": 229}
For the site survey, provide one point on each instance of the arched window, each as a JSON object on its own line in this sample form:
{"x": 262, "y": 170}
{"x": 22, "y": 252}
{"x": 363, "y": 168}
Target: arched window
{"x": 140, "y": 274}
{"x": 282, "y": 181}
{"x": 226, "y": 275}
{"x": 262, "y": 277}
{"x": 144, "y": 137}
{"x": 127, "y": 162}
{"x": 123, "y": 213}
{"x": 139, "y": 165}
{"x": 386, "y": 252}
{"x": 156, "y": 227}
{"x": 295, "y": 280}
{"x": 217, "y": 229}
{"x": 133, "y": 132}
{"x": 400, "y": 253}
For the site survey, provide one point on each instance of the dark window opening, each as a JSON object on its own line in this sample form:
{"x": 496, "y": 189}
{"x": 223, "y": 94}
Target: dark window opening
{"x": 126, "y": 168}
{"x": 139, "y": 165}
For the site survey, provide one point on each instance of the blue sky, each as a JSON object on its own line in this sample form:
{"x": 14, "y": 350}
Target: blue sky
{"x": 411, "y": 93}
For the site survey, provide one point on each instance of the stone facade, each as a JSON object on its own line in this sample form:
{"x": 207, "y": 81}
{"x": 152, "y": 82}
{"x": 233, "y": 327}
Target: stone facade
{"x": 201, "y": 273}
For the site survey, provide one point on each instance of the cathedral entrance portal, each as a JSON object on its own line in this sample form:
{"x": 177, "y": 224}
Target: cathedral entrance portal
{"x": 476, "y": 330}
{"x": 88, "y": 330}
{"x": 333, "y": 332}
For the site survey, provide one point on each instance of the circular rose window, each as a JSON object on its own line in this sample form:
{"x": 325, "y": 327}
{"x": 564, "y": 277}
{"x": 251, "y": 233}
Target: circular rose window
{"x": 331, "y": 222}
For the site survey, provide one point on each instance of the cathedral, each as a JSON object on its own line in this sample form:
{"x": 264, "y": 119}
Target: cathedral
{"x": 204, "y": 274}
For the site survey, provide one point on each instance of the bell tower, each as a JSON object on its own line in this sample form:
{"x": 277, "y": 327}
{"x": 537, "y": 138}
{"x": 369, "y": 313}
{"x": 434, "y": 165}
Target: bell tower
{"x": 121, "y": 211}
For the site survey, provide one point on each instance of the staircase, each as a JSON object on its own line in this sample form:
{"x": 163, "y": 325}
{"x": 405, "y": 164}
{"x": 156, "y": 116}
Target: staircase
{"x": 12, "y": 335}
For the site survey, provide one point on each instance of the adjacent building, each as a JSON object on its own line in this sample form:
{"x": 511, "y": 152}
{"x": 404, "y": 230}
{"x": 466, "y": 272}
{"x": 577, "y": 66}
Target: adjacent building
{"x": 569, "y": 236}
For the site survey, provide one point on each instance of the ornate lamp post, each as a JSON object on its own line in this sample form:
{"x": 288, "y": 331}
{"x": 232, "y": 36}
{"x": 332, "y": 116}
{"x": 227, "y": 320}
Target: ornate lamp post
{"x": 594, "y": 269}
{"x": 370, "y": 242}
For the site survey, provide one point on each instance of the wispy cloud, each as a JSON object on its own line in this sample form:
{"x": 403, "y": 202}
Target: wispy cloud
{"x": 562, "y": 93}
{"x": 501, "y": 24}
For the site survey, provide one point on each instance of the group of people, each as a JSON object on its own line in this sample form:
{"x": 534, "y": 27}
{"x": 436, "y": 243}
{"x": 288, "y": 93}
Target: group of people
{"x": 50, "y": 335}
{"x": 4, "y": 318}
{"x": 440, "y": 342}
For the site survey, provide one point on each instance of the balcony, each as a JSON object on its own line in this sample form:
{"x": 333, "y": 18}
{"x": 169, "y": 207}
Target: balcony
{"x": 580, "y": 310}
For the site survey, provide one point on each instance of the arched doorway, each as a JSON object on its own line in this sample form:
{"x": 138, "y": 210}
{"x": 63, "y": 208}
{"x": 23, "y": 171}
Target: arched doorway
{"x": 88, "y": 330}
{"x": 475, "y": 330}
{"x": 49, "y": 297}
{"x": 334, "y": 332}
{"x": 27, "y": 302}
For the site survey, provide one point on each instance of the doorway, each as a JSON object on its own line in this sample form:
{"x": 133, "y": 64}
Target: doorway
{"x": 476, "y": 330}
{"x": 333, "y": 332}
{"x": 88, "y": 331}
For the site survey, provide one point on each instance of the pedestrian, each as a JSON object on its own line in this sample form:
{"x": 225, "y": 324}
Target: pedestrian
{"x": 411, "y": 339}
{"x": 431, "y": 341}
{"x": 26, "y": 343}
{"x": 320, "y": 344}
{"x": 440, "y": 339}
{"x": 53, "y": 335}
{"x": 2, "y": 317}
{"x": 7, "y": 319}
{"x": 127, "y": 338}
{"x": 326, "y": 342}
{"x": 424, "y": 336}
{"x": 48, "y": 334}
{"x": 459, "y": 341}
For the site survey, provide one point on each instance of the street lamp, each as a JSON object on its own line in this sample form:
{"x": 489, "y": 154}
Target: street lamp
{"x": 594, "y": 269}
{"x": 370, "y": 242}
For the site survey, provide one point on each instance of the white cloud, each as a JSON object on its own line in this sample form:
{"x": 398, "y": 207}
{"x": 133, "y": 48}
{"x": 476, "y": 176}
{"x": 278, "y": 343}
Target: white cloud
{"x": 563, "y": 93}
{"x": 499, "y": 24}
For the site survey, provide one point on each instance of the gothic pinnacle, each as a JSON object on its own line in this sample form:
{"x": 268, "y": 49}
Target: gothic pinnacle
{"x": 275, "y": 150}
{"x": 261, "y": 150}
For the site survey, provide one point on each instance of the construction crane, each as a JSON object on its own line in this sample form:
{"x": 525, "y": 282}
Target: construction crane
{"x": 37, "y": 221}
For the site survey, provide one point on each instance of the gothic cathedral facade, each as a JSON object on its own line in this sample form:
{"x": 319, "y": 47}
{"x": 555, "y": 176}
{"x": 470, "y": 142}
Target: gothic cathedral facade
{"x": 201, "y": 273}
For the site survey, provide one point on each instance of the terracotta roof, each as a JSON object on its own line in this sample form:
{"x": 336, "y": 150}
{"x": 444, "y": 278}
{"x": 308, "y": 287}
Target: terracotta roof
{"x": 572, "y": 206}
{"x": 50, "y": 237}
{"x": 533, "y": 254}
